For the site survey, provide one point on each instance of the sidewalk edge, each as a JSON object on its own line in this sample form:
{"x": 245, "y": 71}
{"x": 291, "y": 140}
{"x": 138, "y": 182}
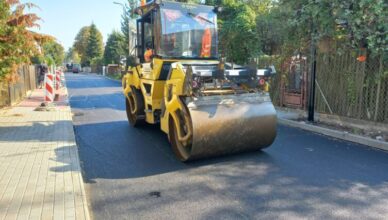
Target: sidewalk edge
{"x": 84, "y": 199}
{"x": 337, "y": 134}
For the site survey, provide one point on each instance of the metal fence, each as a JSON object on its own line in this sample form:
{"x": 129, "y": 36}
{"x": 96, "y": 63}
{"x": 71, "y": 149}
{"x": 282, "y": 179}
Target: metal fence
{"x": 12, "y": 93}
{"x": 347, "y": 87}
{"x": 344, "y": 85}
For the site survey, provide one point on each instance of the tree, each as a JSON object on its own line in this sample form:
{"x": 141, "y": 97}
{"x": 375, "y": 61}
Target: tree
{"x": 75, "y": 57}
{"x": 125, "y": 22}
{"x": 127, "y": 17}
{"x": 365, "y": 22}
{"x": 128, "y": 22}
{"x": 17, "y": 43}
{"x": 94, "y": 48}
{"x": 271, "y": 31}
{"x": 115, "y": 48}
{"x": 55, "y": 51}
{"x": 96, "y": 62}
{"x": 72, "y": 56}
{"x": 238, "y": 40}
{"x": 81, "y": 43}
{"x": 353, "y": 23}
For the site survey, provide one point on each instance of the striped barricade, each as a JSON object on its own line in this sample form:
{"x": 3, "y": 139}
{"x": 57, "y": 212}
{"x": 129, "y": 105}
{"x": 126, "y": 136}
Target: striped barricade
{"x": 57, "y": 79}
{"x": 49, "y": 87}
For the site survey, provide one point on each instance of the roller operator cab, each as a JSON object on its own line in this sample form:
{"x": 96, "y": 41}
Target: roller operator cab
{"x": 205, "y": 108}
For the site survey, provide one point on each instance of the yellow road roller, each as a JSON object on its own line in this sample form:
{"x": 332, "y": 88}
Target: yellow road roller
{"x": 207, "y": 107}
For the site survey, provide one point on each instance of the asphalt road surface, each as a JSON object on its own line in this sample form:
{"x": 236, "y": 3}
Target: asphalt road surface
{"x": 131, "y": 173}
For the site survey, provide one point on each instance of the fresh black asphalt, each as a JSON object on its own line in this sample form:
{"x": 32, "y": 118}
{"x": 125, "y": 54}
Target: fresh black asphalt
{"x": 131, "y": 173}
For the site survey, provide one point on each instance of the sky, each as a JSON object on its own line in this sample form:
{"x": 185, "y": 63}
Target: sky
{"x": 64, "y": 18}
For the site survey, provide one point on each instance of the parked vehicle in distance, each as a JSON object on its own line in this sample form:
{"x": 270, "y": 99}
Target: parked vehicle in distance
{"x": 76, "y": 68}
{"x": 69, "y": 67}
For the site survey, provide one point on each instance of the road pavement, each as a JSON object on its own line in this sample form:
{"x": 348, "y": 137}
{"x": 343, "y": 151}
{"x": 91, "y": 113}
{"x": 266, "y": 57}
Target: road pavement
{"x": 131, "y": 173}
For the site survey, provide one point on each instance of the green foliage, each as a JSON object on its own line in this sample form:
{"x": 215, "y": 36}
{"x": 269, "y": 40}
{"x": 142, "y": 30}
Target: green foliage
{"x": 51, "y": 53}
{"x": 125, "y": 29}
{"x": 17, "y": 43}
{"x": 128, "y": 24}
{"x": 238, "y": 34}
{"x": 72, "y": 56}
{"x": 285, "y": 26}
{"x": 128, "y": 20}
{"x": 81, "y": 43}
{"x": 87, "y": 46}
{"x": 352, "y": 23}
{"x": 97, "y": 61}
{"x": 115, "y": 48}
{"x": 54, "y": 51}
{"x": 270, "y": 32}
{"x": 94, "y": 47}
{"x": 367, "y": 23}
{"x": 39, "y": 59}
{"x": 251, "y": 28}
{"x": 49, "y": 60}
{"x": 351, "y": 89}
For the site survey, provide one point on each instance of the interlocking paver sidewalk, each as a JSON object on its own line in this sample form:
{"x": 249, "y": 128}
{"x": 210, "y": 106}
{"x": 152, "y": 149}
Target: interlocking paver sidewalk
{"x": 40, "y": 174}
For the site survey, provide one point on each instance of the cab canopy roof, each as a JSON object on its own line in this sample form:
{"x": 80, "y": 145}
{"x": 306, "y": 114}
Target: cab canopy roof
{"x": 142, "y": 10}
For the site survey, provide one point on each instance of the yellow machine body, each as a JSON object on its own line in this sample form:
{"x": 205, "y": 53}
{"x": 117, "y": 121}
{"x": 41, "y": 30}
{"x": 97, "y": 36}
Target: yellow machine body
{"x": 204, "y": 109}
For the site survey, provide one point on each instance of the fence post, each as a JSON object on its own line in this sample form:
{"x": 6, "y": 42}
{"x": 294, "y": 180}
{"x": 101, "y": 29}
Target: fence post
{"x": 9, "y": 94}
{"x": 378, "y": 88}
{"x": 311, "y": 105}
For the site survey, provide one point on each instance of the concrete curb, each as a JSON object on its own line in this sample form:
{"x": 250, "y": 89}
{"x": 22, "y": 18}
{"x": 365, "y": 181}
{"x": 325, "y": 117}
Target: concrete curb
{"x": 84, "y": 199}
{"x": 382, "y": 145}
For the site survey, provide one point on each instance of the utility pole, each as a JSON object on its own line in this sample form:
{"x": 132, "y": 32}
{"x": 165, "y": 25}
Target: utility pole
{"x": 313, "y": 55}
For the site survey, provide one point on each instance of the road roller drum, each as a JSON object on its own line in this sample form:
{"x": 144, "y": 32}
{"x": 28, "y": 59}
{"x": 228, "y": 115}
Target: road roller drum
{"x": 206, "y": 106}
{"x": 228, "y": 124}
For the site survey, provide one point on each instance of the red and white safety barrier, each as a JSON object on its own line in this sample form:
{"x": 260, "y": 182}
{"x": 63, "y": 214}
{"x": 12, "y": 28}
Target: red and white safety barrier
{"x": 49, "y": 87}
{"x": 57, "y": 79}
{"x": 62, "y": 76}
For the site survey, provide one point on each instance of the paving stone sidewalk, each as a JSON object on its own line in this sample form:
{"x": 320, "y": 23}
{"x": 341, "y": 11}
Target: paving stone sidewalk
{"x": 40, "y": 175}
